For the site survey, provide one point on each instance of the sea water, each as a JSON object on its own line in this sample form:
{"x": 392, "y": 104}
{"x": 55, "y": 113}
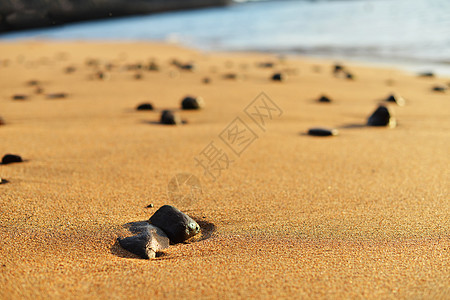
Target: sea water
{"x": 410, "y": 33}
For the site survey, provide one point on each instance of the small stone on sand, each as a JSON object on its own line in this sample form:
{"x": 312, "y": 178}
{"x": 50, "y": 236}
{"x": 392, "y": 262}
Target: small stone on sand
{"x": 170, "y": 118}
{"x": 278, "y": 77}
{"x": 318, "y": 131}
{"x": 382, "y": 117}
{"x": 439, "y": 88}
{"x": 11, "y": 158}
{"x": 2, "y": 122}
{"x": 192, "y": 103}
{"x": 145, "y": 106}
{"x": 56, "y": 96}
{"x": 396, "y": 98}
{"x": 178, "y": 226}
{"x": 145, "y": 244}
{"x": 426, "y": 74}
{"x": 324, "y": 99}
{"x": 20, "y": 97}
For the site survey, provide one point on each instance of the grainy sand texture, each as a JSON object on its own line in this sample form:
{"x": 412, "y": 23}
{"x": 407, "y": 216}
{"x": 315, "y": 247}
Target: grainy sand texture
{"x": 365, "y": 214}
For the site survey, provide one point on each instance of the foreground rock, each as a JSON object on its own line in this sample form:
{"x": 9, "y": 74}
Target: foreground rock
{"x": 382, "y": 117}
{"x": 324, "y": 99}
{"x": 147, "y": 242}
{"x": 177, "y": 225}
{"x": 192, "y": 103}
{"x": 322, "y": 131}
{"x": 11, "y": 158}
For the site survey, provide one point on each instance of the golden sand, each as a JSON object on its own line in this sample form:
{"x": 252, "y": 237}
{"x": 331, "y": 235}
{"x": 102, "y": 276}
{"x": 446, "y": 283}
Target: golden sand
{"x": 361, "y": 215}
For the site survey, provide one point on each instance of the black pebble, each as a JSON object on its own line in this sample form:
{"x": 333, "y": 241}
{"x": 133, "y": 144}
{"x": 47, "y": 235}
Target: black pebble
{"x": 324, "y": 99}
{"x": 381, "y": 117}
{"x": 396, "y": 99}
{"x": 153, "y": 66}
{"x": 20, "y": 97}
{"x": 145, "y": 106}
{"x": 278, "y": 77}
{"x": 170, "y": 118}
{"x": 56, "y": 96}
{"x": 337, "y": 68}
{"x": 150, "y": 205}
{"x": 177, "y": 225}
{"x": 439, "y": 88}
{"x": 192, "y": 103}
{"x": 11, "y": 158}
{"x": 3, "y": 181}
{"x": 322, "y": 132}
{"x": 349, "y": 76}
{"x": 426, "y": 74}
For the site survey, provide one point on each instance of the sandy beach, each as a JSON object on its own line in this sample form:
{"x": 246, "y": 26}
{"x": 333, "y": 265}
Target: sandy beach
{"x": 365, "y": 214}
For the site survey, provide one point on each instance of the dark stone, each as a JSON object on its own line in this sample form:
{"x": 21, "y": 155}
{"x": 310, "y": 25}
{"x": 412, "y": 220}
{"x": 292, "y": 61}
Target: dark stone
{"x": 231, "y": 76}
{"x": 439, "y": 88}
{"x": 39, "y": 90}
{"x": 170, "y": 118}
{"x": 266, "y": 65}
{"x": 150, "y": 205}
{"x": 3, "y": 181}
{"x": 33, "y": 82}
{"x": 337, "y": 68}
{"x": 69, "y": 70}
{"x": 324, "y": 99}
{"x": 206, "y": 80}
{"x": 138, "y": 76}
{"x": 192, "y": 103}
{"x": 322, "y": 132}
{"x": 349, "y": 76}
{"x": 278, "y": 77}
{"x": 177, "y": 225}
{"x": 396, "y": 99}
{"x": 153, "y": 66}
{"x": 147, "y": 242}
{"x": 20, "y": 97}
{"x": 56, "y": 96}
{"x": 2, "y": 122}
{"x": 145, "y": 106}
{"x": 187, "y": 67}
{"x": 11, "y": 158}
{"x": 426, "y": 74}
{"x": 381, "y": 117}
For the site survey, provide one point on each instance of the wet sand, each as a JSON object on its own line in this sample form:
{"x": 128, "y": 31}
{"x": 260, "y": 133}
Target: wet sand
{"x": 364, "y": 214}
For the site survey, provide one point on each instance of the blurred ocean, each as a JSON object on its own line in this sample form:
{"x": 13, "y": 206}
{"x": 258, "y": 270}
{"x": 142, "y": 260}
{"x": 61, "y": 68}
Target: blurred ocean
{"x": 414, "y": 34}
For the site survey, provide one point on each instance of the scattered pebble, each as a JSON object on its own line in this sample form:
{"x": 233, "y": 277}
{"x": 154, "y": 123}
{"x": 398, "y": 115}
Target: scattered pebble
{"x": 265, "y": 65}
{"x": 426, "y": 74}
{"x": 70, "y": 70}
{"x": 33, "y": 82}
{"x": 150, "y": 205}
{"x": 231, "y": 76}
{"x": 177, "y": 225}
{"x": 439, "y": 88}
{"x": 145, "y": 106}
{"x": 170, "y": 118}
{"x": 147, "y": 242}
{"x": 56, "y": 96}
{"x": 349, "y": 76}
{"x": 153, "y": 66}
{"x": 206, "y": 80}
{"x": 278, "y": 77}
{"x": 396, "y": 98}
{"x": 38, "y": 90}
{"x": 2, "y": 122}
{"x": 11, "y": 158}
{"x": 20, "y": 97}
{"x": 192, "y": 103}
{"x": 3, "y": 181}
{"x": 137, "y": 76}
{"x": 318, "y": 131}
{"x": 324, "y": 99}
{"x": 382, "y": 117}
{"x": 337, "y": 68}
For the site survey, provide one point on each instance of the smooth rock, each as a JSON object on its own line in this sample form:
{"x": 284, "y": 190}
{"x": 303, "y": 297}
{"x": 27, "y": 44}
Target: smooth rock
{"x": 322, "y": 131}
{"x": 396, "y": 98}
{"x": 278, "y": 77}
{"x": 426, "y": 74}
{"x": 439, "y": 88}
{"x": 11, "y": 158}
{"x": 324, "y": 99}
{"x": 145, "y": 106}
{"x": 382, "y": 117}
{"x": 20, "y": 97}
{"x": 177, "y": 225}
{"x": 56, "y": 96}
{"x": 192, "y": 103}
{"x": 170, "y": 118}
{"x": 147, "y": 242}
